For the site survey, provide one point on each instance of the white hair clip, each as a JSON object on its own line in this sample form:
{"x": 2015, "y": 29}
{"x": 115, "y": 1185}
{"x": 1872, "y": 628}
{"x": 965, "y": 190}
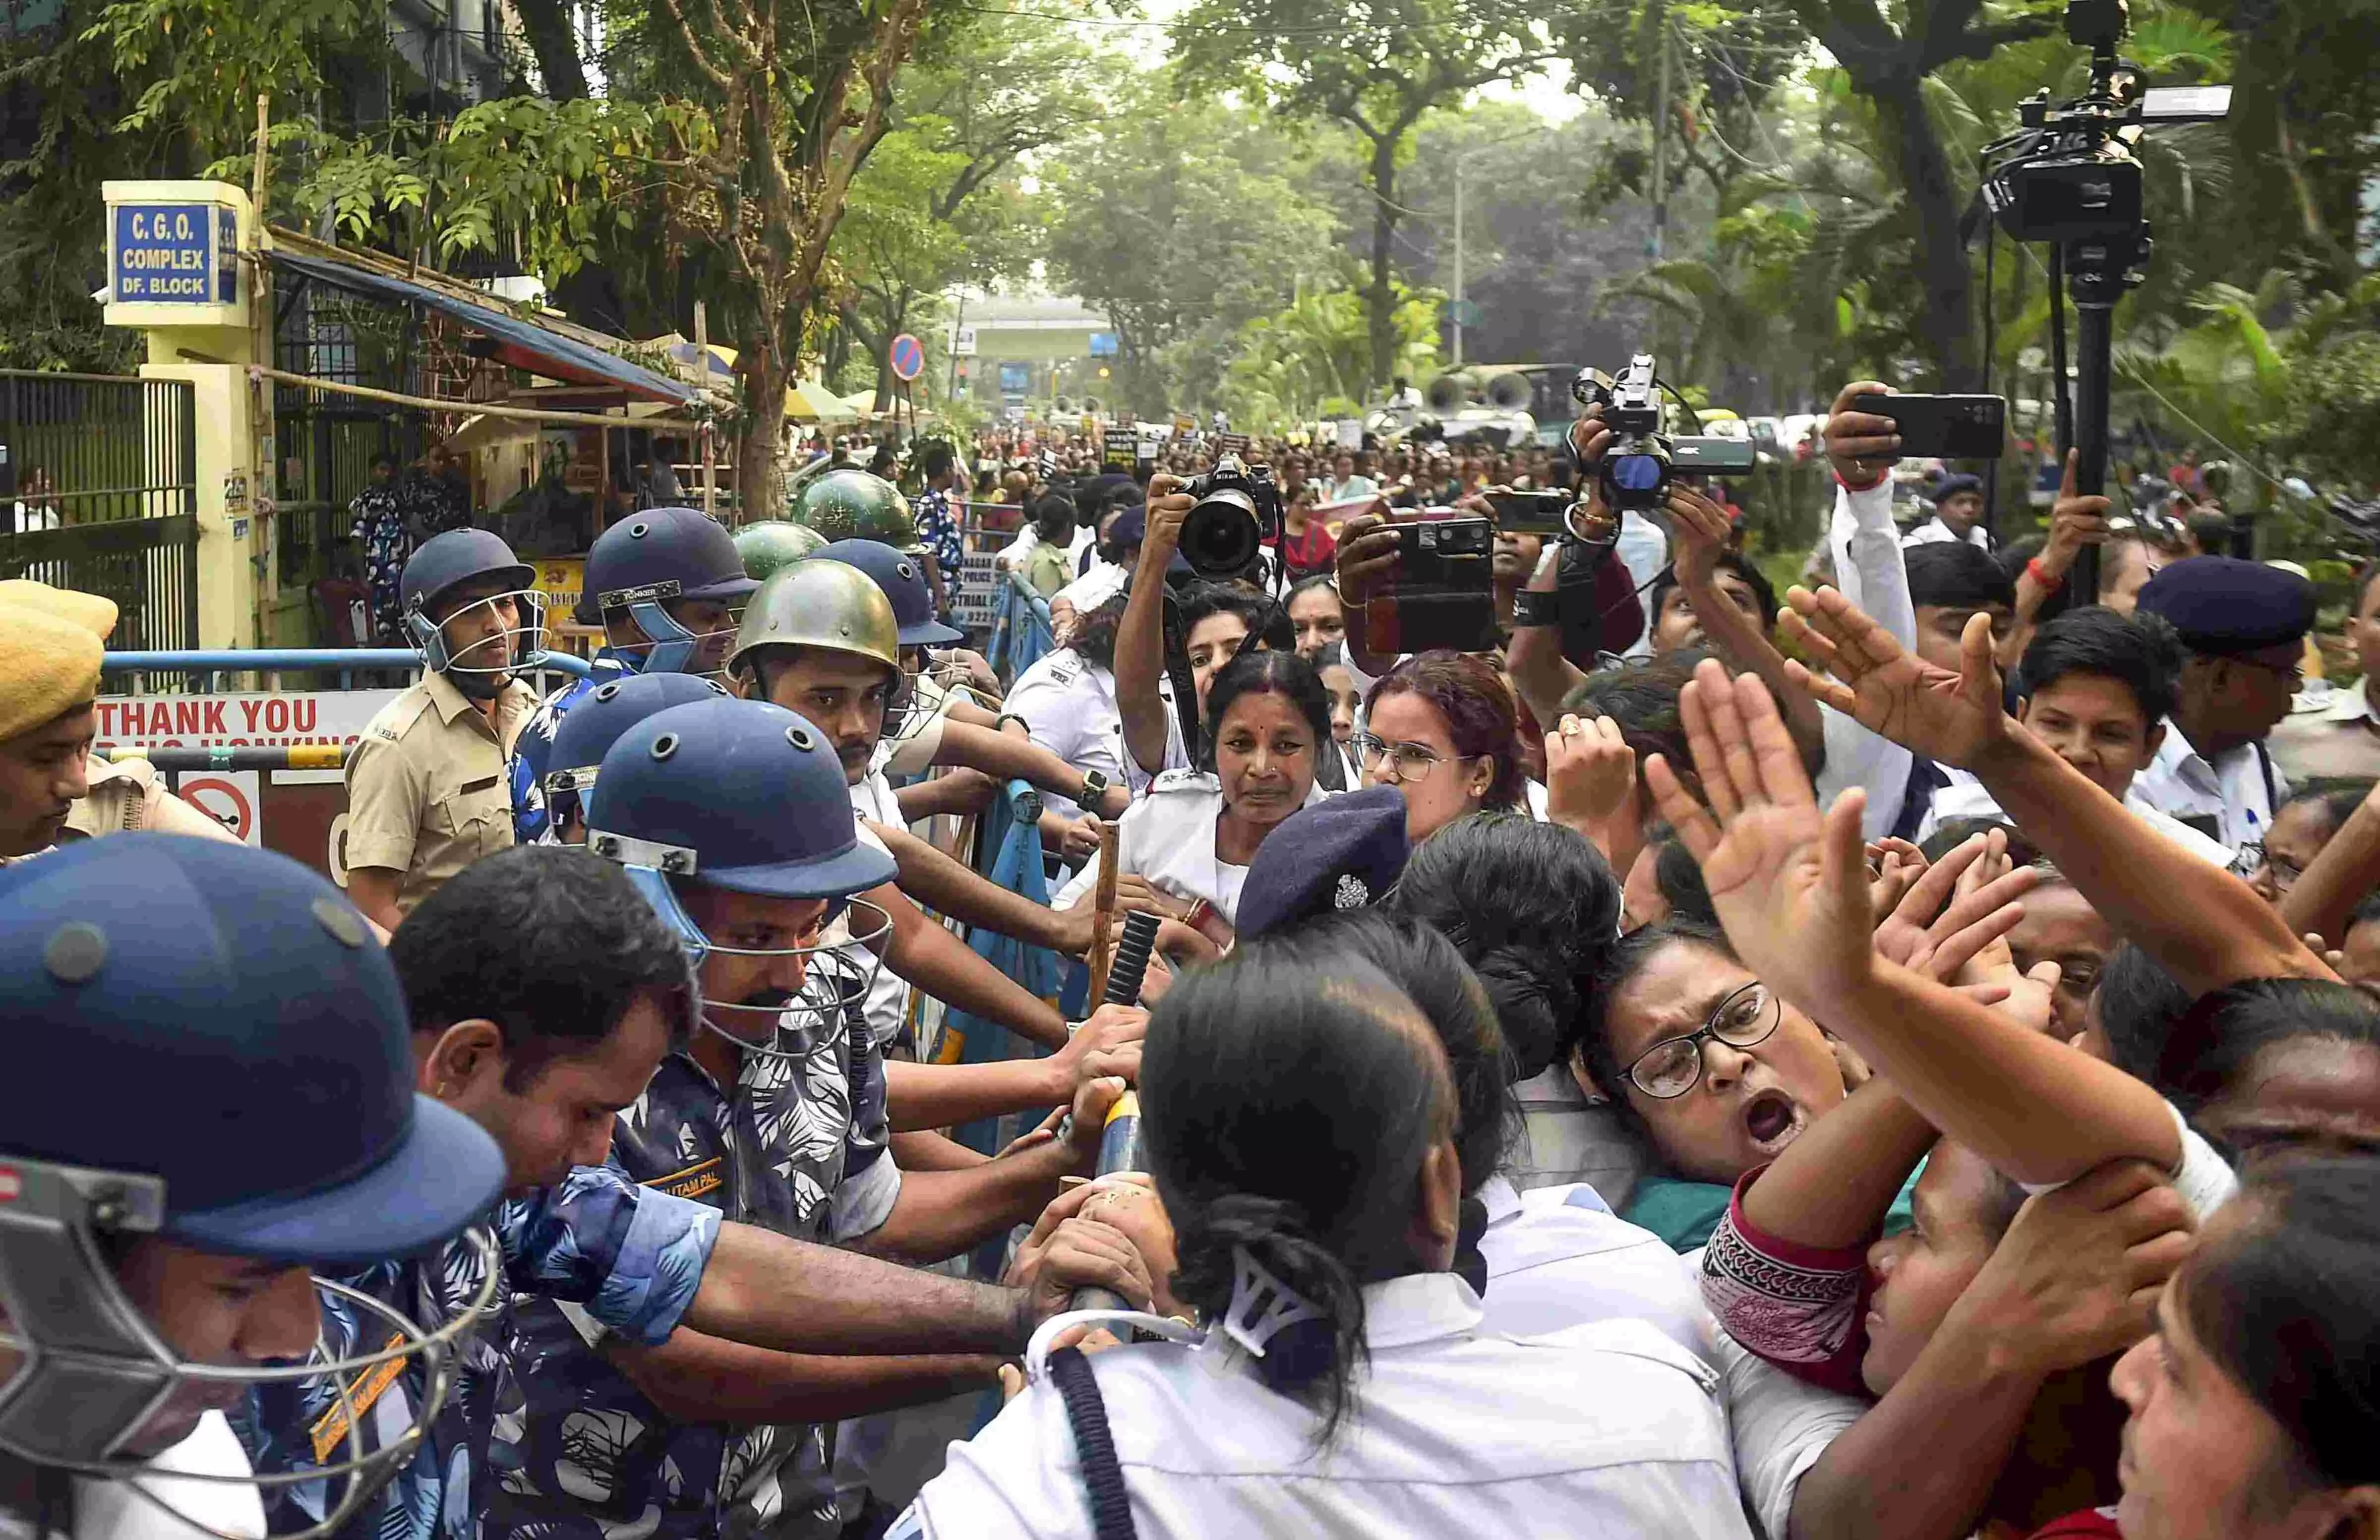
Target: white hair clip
{"x": 1262, "y": 1306}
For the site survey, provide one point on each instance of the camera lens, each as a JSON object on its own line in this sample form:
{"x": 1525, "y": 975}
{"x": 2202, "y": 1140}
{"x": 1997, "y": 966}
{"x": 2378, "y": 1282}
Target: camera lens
{"x": 1220, "y": 537}
{"x": 1636, "y": 473}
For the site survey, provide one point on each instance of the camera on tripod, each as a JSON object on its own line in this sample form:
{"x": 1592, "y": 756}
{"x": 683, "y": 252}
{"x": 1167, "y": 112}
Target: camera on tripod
{"x": 1238, "y": 507}
{"x": 2069, "y": 178}
{"x": 1641, "y": 461}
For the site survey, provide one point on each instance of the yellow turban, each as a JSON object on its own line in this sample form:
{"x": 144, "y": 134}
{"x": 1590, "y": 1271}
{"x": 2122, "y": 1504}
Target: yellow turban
{"x": 48, "y": 667}
{"x": 90, "y": 610}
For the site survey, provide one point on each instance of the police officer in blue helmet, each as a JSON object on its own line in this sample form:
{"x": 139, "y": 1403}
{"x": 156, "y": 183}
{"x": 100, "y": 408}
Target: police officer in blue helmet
{"x": 425, "y": 781}
{"x": 608, "y": 710}
{"x": 726, "y": 816}
{"x": 223, "y": 1099}
{"x": 667, "y": 585}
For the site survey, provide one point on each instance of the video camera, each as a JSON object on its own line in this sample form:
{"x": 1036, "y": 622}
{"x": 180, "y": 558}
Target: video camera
{"x": 2069, "y": 178}
{"x": 1238, "y": 509}
{"x": 1641, "y": 460}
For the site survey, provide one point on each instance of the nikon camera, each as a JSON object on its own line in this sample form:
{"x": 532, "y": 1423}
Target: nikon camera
{"x": 1641, "y": 460}
{"x": 1238, "y": 508}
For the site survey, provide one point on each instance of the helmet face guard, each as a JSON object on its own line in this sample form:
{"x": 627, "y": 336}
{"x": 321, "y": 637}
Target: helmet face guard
{"x": 480, "y": 669}
{"x": 669, "y": 646}
{"x": 836, "y": 974}
{"x": 91, "y": 1372}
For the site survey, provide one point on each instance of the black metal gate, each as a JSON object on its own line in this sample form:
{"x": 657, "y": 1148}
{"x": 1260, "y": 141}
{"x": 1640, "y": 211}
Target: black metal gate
{"x": 98, "y": 491}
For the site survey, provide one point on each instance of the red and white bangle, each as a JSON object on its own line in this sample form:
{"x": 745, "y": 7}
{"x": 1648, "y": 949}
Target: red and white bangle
{"x": 2050, "y": 581}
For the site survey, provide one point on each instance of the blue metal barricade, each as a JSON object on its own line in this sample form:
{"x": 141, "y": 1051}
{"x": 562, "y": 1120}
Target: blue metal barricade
{"x": 1022, "y": 633}
{"x": 292, "y": 659}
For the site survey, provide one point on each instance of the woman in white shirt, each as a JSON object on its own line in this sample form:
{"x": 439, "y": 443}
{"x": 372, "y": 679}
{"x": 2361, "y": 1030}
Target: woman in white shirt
{"x": 1194, "y": 832}
{"x": 1303, "y": 1125}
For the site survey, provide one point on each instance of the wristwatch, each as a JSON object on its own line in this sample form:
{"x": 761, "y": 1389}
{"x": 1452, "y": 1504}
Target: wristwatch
{"x": 1095, "y": 789}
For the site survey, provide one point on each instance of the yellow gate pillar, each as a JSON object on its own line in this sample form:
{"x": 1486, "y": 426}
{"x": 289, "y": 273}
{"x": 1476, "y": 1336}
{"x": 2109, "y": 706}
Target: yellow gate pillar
{"x": 182, "y": 261}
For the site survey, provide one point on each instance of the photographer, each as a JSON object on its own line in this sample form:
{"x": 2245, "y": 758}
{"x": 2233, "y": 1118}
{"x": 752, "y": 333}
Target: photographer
{"x": 1701, "y": 605}
{"x": 1215, "y": 620}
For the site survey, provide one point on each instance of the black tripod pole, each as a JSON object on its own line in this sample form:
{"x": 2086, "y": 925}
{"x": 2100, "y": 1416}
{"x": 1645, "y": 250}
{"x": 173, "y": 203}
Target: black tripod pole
{"x": 2098, "y": 272}
{"x": 2096, "y": 327}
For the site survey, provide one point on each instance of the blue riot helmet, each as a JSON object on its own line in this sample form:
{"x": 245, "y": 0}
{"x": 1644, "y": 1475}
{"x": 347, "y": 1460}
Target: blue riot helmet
{"x": 749, "y": 799}
{"x": 903, "y": 579}
{"x": 436, "y": 593}
{"x": 903, "y": 582}
{"x": 643, "y": 563}
{"x": 595, "y": 723}
{"x": 223, "y": 1063}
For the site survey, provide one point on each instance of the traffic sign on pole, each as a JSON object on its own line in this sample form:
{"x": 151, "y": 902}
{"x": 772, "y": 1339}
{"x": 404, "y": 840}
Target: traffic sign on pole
{"x": 907, "y": 356}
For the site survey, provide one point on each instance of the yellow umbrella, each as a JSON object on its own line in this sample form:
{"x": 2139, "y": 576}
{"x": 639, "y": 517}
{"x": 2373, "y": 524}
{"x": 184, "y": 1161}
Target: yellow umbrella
{"x": 810, "y": 401}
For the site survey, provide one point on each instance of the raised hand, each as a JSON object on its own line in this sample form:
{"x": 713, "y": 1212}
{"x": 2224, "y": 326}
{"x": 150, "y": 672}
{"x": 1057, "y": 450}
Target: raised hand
{"x": 1961, "y": 906}
{"x": 1698, "y": 532}
{"x": 1590, "y": 773}
{"x": 1862, "y": 445}
{"x": 1367, "y": 555}
{"x": 1953, "y": 719}
{"x": 1790, "y": 883}
{"x": 2077, "y": 1275}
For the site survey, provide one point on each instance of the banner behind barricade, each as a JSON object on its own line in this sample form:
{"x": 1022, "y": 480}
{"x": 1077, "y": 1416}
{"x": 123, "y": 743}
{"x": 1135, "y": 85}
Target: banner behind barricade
{"x": 298, "y": 812}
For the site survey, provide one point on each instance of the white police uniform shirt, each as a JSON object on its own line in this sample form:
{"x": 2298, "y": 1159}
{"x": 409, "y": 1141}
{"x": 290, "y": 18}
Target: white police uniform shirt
{"x": 2228, "y": 792}
{"x": 1964, "y": 798}
{"x": 1935, "y": 532}
{"x": 1068, "y": 706}
{"x": 1559, "y": 1258}
{"x": 1606, "y": 1429}
{"x": 1871, "y": 574}
{"x": 1100, "y": 582}
{"x": 200, "y": 1509}
{"x": 1168, "y": 839}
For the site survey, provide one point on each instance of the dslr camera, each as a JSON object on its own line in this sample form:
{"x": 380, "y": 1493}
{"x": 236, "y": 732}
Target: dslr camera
{"x": 1641, "y": 460}
{"x": 1238, "y": 507}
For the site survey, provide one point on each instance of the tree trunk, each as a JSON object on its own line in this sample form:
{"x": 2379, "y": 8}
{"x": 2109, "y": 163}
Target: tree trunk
{"x": 551, "y": 40}
{"x": 1379, "y": 299}
{"x": 760, "y": 466}
{"x": 1948, "y": 323}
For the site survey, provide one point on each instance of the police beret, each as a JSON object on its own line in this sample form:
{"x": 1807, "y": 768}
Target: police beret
{"x": 1951, "y": 486}
{"x": 48, "y": 667}
{"x": 1343, "y": 853}
{"x": 1131, "y": 526}
{"x": 94, "y": 613}
{"x": 2225, "y": 606}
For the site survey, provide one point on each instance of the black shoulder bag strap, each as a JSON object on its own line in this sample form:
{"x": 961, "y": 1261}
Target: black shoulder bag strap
{"x": 1078, "y": 1387}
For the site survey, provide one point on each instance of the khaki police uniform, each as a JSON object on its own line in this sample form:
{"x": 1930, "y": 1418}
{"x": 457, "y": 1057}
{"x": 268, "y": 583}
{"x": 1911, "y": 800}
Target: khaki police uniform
{"x": 426, "y": 789}
{"x": 129, "y": 796}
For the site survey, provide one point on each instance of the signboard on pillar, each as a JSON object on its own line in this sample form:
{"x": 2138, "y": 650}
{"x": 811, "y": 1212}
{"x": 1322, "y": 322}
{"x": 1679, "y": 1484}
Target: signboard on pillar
{"x": 174, "y": 254}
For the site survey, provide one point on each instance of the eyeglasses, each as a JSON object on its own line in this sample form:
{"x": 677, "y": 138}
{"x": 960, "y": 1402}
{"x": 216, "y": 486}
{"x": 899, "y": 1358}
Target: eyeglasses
{"x": 1413, "y": 761}
{"x": 1674, "y": 1066}
{"x": 2255, "y": 857}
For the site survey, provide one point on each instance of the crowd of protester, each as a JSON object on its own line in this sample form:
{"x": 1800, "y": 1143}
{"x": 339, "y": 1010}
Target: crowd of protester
{"x": 1894, "y": 1057}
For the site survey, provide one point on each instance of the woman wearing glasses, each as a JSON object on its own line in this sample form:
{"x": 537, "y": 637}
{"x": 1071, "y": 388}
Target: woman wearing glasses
{"x": 1195, "y": 831}
{"x": 1714, "y": 1071}
{"x": 1441, "y": 727}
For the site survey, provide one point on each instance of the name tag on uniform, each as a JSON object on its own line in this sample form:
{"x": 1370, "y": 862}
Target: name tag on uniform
{"x": 330, "y": 1430}
{"x": 695, "y": 1181}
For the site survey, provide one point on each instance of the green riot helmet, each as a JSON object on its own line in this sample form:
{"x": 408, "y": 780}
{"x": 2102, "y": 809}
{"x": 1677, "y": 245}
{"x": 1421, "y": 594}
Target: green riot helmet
{"x": 824, "y": 604}
{"x": 774, "y": 543}
{"x": 850, "y": 504}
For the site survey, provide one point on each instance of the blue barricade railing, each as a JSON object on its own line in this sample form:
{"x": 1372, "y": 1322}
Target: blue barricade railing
{"x": 1023, "y": 631}
{"x": 287, "y": 660}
